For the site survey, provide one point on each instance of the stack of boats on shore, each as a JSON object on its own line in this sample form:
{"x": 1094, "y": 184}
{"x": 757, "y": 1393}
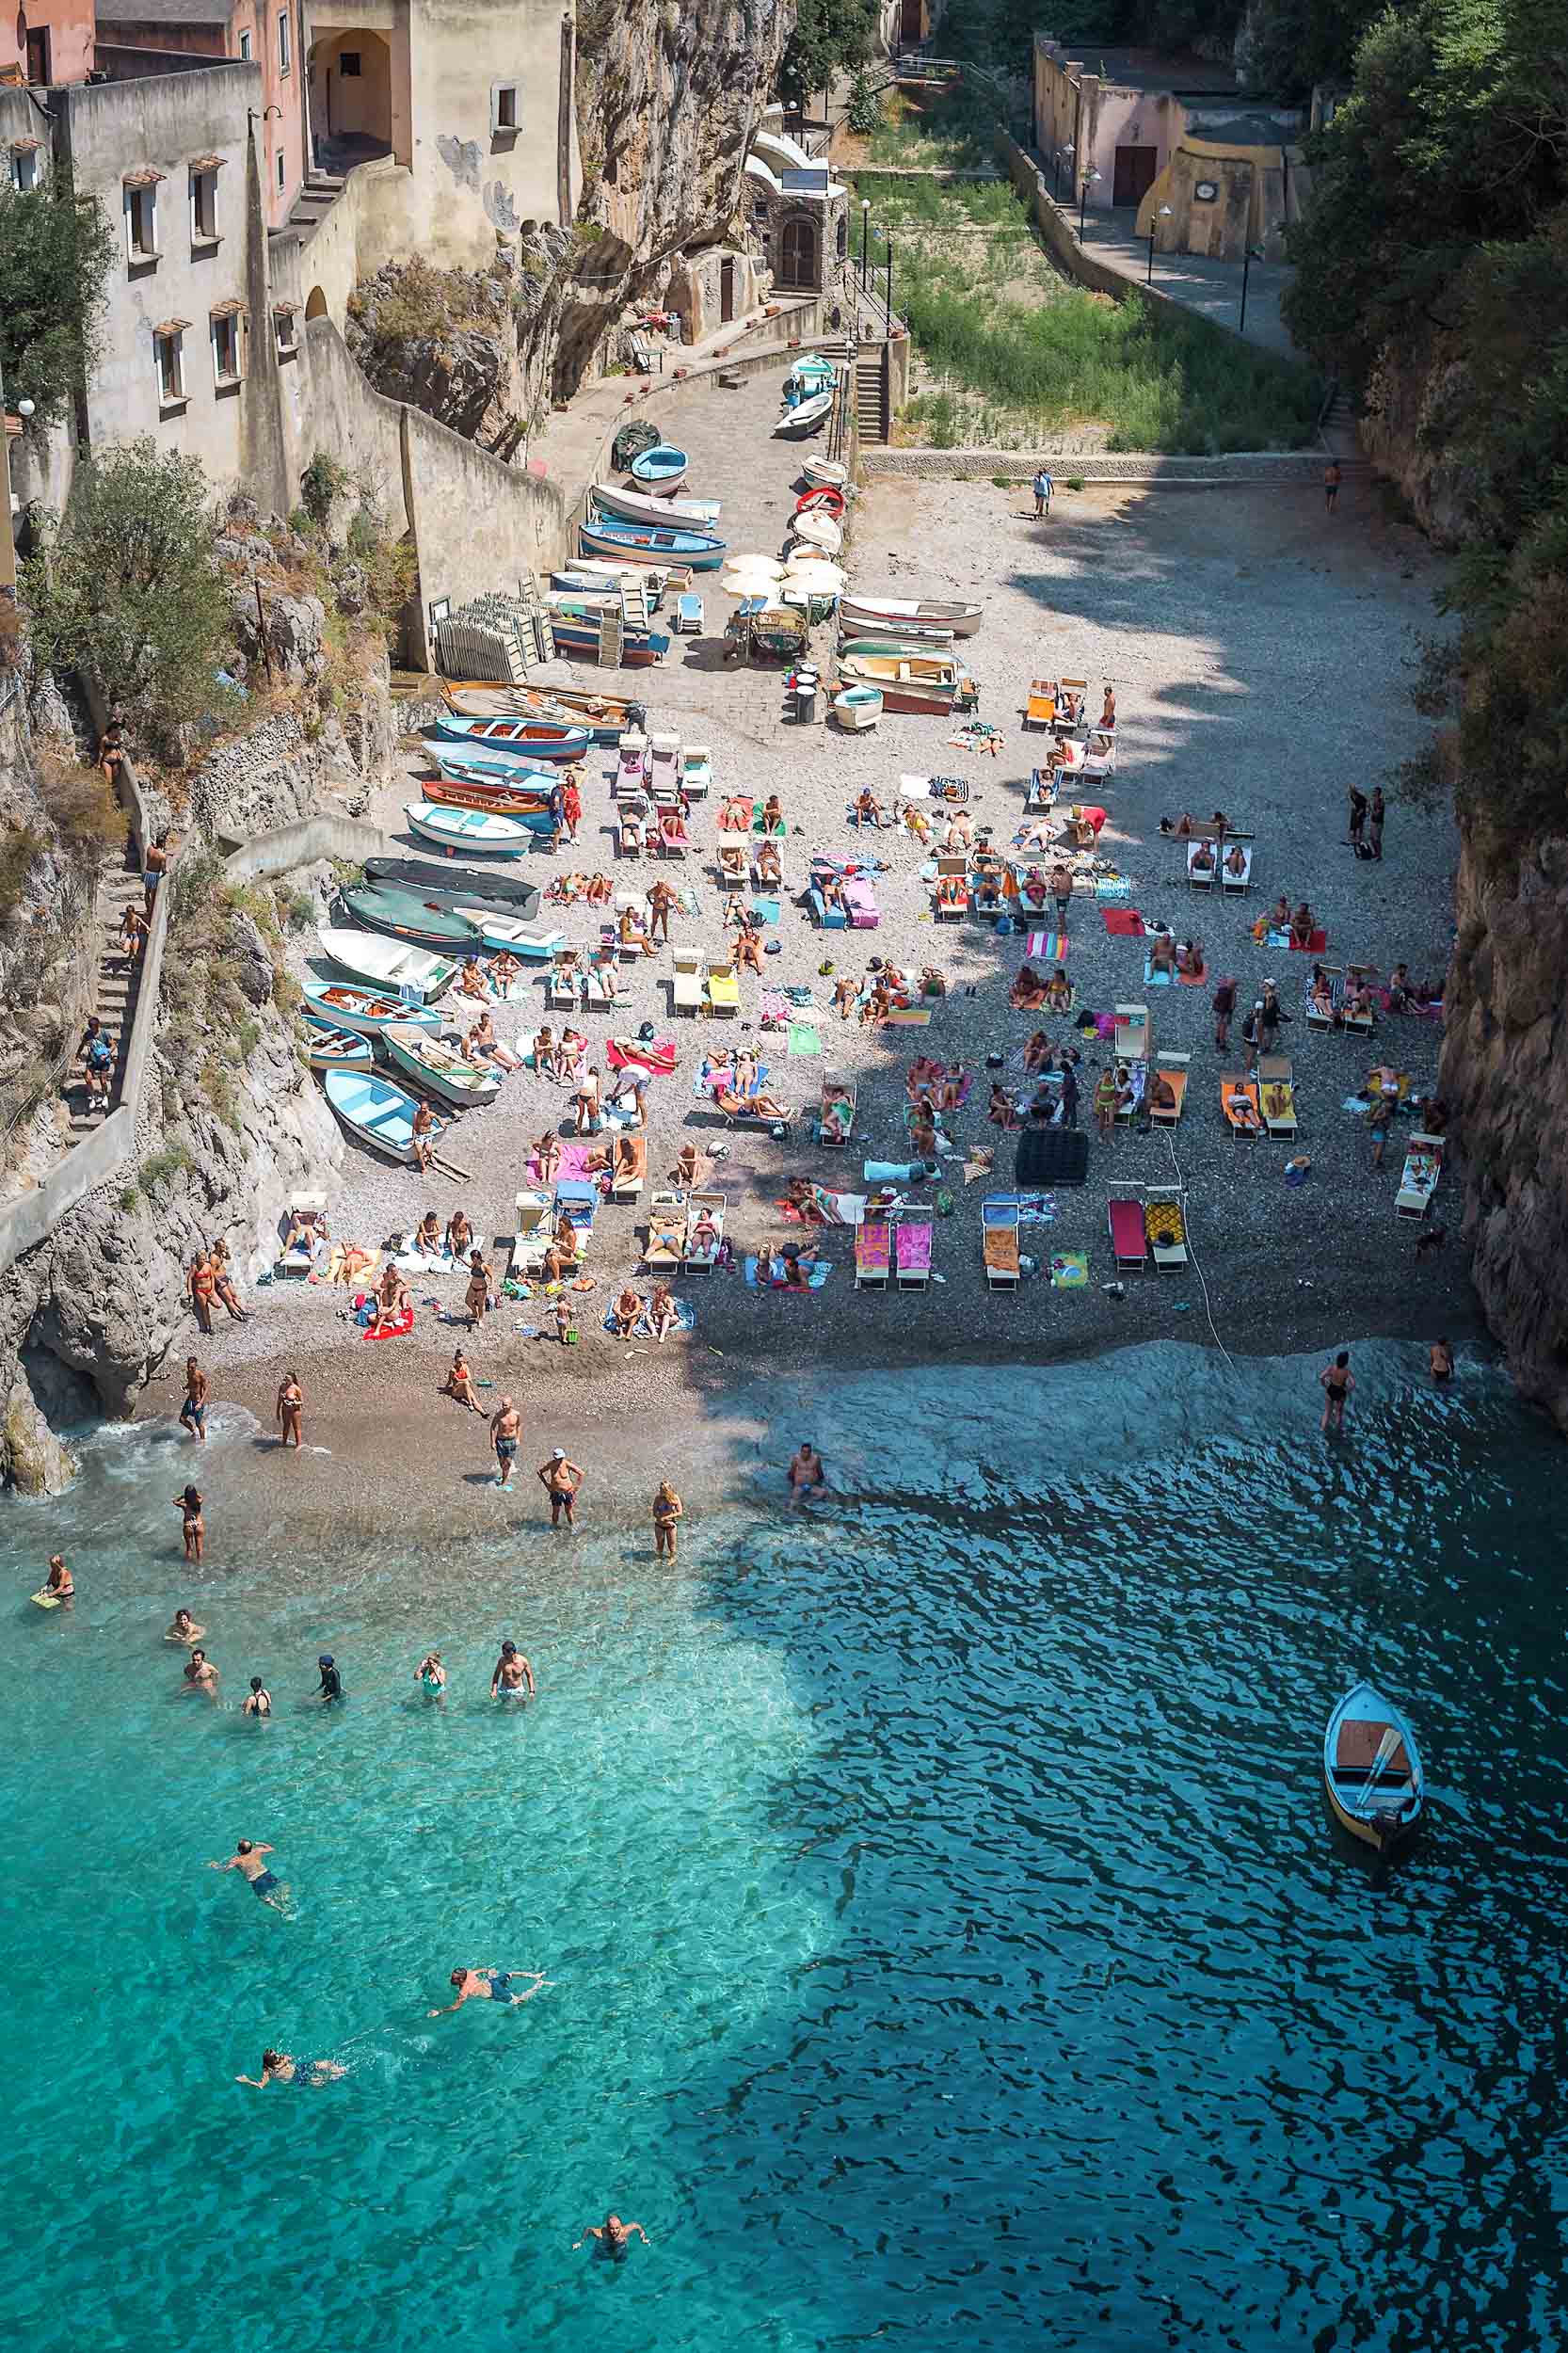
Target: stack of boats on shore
{"x": 902, "y": 648}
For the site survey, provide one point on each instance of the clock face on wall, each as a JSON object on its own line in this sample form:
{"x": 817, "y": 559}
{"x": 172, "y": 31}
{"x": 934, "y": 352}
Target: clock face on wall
{"x": 1205, "y": 192}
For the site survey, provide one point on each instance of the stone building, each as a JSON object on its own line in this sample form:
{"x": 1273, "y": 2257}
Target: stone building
{"x": 44, "y": 41}
{"x": 250, "y": 32}
{"x": 799, "y": 213}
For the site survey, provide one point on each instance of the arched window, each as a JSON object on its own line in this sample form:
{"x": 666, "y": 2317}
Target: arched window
{"x": 798, "y": 259}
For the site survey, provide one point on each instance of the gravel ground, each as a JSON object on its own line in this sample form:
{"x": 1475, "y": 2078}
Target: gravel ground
{"x": 1256, "y": 646}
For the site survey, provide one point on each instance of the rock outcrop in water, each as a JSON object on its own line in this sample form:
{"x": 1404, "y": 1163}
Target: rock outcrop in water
{"x": 1504, "y": 1073}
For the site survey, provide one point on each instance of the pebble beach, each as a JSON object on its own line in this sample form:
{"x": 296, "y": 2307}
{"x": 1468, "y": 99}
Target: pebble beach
{"x": 1254, "y": 644}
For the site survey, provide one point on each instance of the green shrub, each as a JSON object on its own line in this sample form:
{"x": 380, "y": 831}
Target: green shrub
{"x": 322, "y": 481}
{"x": 160, "y": 1166}
{"x": 1073, "y": 482}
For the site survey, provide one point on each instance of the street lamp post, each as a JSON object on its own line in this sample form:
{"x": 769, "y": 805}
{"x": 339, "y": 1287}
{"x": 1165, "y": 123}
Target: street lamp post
{"x": 1088, "y": 180}
{"x": 1063, "y": 156}
{"x": 865, "y": 238}
{"x": 1163, "y": 214}
{"x": 1249, "y": 255}
{"x": 890, "y": 286}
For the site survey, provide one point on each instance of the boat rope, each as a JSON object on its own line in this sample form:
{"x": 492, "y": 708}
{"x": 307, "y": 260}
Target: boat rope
{"x": 1191, "y": 1252}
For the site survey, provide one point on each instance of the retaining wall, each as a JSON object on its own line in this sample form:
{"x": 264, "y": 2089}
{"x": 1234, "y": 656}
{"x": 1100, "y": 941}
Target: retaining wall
{"x": 302, "y": 844}
{"x": 964, "y": 465}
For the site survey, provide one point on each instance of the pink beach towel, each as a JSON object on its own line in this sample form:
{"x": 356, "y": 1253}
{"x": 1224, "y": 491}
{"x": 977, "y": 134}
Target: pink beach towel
{"x": 912, "y": 1244}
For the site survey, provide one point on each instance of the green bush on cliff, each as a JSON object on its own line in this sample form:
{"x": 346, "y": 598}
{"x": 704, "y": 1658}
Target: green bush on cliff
{"x": 56, "y": 251}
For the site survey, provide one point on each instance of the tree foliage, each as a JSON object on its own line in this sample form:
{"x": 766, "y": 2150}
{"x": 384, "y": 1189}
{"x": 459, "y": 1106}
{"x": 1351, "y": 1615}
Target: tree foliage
{"x": 126, "y": 589}
{"x": 1435, "y": 249}
{"x": 830, "y": 38}
{"x": 56, "y": 251}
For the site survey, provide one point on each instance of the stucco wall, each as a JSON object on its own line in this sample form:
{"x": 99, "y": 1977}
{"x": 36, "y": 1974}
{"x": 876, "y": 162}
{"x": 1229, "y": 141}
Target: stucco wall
{"x": 69, "y": 25}
{"x": 166, "y": 123}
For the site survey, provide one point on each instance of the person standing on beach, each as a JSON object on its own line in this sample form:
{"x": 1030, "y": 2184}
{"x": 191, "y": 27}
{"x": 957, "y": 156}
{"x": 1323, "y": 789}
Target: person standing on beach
{"x": 667, "y": 1510}
{"x": 1358, "y": 815}
{"x": 506, "y": 1429}
{"x": 476, "y": 1299}
{"x": 1225, "y": 1007}
{"x": 513, "y": 1678}
{"x": 1043, "y": 485}
{"x": 560, "y": 1479}
{"x": 1337, "y": 1380}
{"x": 1331, "y": 484}
{"x": 1379, "y": 811}
{"x": 291, "y": 1405}
{"x": 246, "y": 1861}
{"x": 193, "y": 1413}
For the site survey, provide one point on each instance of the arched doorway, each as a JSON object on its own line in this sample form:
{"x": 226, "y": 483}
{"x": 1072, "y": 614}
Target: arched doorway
{"x": 351, "y": 98}
{"x": 797, "y": 266}
{"x": 315, "y": 305}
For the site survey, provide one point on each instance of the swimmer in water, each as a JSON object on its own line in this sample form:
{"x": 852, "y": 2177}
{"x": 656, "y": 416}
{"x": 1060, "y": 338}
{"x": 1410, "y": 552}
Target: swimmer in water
{"x": 513, "y": 1678}
{"x": 1442, "y": 1361}
{"x": 492, "y": 1985}
{"x": 246, "y": 1861}
{"x": 189, "y": 1502}
{"x": 282, "y": 2067}
{"x": 200, "y": 1675}
{"x": 184, "y": 1629}
{"x": 1336, "y": 1382}
{"x": 613, "y": 2236}
{"x": 329, "y": 1690}
{"x": 806, "y": 1475}
{"x": 431, "y": 1676}
{"x": 258, "y": 1702}
{"x": 60, "y": 1584}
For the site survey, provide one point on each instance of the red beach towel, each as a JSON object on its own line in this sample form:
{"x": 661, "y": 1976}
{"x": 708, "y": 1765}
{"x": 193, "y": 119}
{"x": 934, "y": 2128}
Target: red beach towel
{"x": 1122, "y": 923}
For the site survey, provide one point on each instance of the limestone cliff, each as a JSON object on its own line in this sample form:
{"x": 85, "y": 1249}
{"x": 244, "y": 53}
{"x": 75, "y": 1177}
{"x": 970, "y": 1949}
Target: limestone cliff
{"x": 1504, "y": 1073}
{"x": 1416, "y": 426}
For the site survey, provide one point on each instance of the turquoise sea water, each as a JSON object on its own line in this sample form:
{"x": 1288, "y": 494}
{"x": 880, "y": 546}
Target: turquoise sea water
{"x": 949, "y": 1948}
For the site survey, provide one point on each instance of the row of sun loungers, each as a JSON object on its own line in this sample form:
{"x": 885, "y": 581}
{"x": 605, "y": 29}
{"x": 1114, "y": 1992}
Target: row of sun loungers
{"x": 685, "y": 1231}
{"x": 662, "y": 766}
{"x": 1147, "y": 1228}
{"x": 893, "y": 1250}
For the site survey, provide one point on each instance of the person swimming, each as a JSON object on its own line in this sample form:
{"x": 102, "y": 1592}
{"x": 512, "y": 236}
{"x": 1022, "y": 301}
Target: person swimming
{"x": 283, "y": 2067}
{"x": 246, "y": 1861}
{"x": 614, "y": 2237}
{"x": 431, "y": 1676}
{"x": 492, "y": 1985}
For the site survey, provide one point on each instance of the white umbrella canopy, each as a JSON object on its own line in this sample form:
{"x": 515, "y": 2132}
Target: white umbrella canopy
{"x": 749, "y": 583}
{"x": 814, "y": 573}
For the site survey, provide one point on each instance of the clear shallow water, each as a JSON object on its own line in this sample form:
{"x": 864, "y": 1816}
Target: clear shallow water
{"x": 948, "y": 1945}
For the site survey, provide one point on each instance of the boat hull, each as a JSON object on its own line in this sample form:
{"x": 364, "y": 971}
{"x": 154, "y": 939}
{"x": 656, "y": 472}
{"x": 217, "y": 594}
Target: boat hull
{"x": 479, "y": 792}
{"x": 1384, "y": 1813}
{"x": 895, "y": 612}
{"x": 697, "y": 549}
{"x": 497, "y": 893}
{"x": 808, "y": 416}
{"x": 638, "y": 506}
{"x": 934, "y": 694}
{"x": 400, "y": 915}
{"x": 432, "y": 821}
{"x": 386, "y": 964}
{"x": 636, "y": 653}
{"x": 375, "y": 1112}
{"x": 337, "y": 1006}
{"x": 342, "y": 1050}
{"x": 510, "y": 758}
{"x": 661, "y": 470}
{"x": 461, "y": 1084}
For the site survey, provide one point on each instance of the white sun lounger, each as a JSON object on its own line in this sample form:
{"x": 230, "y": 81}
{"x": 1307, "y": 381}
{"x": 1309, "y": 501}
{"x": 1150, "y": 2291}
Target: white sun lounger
{"x": 709, "y": 1206}
{"x": 688, "y": 994}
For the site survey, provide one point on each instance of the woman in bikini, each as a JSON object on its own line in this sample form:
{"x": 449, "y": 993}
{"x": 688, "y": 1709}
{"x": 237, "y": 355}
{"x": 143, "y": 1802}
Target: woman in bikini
{"x": 667, "y": 1511}
{"x": 1039, "y": 1055}
{"x": 1059, "y": 991}
{"x": 280, "y": 2067}
{"x": 188, "y": 1501}
{"x": 291, "y": 1408}
{"x": 662, "y": 1314}
{"x": 1000, "y": 1112}
{"x": 459, "y": 1383}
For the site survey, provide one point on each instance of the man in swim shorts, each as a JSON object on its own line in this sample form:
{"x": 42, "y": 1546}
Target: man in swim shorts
{"x": 513, "y": 1678}
{"x": 193, "y": 1413}
{"x": 560, "y": 1479}
{"x": 505, "y": 1429}
{"x": 806, "y": 1475}
{"x": 510, "y": 1987}
{"x": 246, "y": 1861}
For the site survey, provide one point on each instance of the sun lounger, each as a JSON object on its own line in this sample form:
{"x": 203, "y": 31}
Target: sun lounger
{"x": 1123, "y": 1215}
{"x": 1277, "y": 1093}
{"x": 631, "y": 764}
{"x": 827, "y": 919}
{"x": 687, "y": 993}
{"x": 705, "y": 1213}
{"x": 1099, "y": 754}
{"x": 308, "y": 1210}
{"x": 673, "y": 840}
{"x": 1238, "y": 1102}
{"x": 1236, "y": 882}
{"x": 1357, "y": 976}
{"x": 664, "y": 762}
{"x": 1423, "y": 1166}
{"x": 603, "y": 988}
{"x": 1173, "y": 1068}
{"x": 873, "y": 1245}
{"x": 632, "y": 832}
{"x": 628, "y": 1167}
{"x": 723, "y": 989}
{"x": 565, "y": 984}
{"x": 734, "y": 866}
{"x": 1165, "y": 1226}
{"x": 1336, "y": 978}
{"x": 1200, "y": 876}
{"x": 912, "y": 1252}
{"x": 1040, "y": 709}
{"x": 697, "y": 771}
{"x": 532, "y": 1230}
{"x": 835, "y": 1119}
{"x": 998, "y": 1243}
{"x": 1132, "y": 1032}
{"x": 688, "y": 614}
{"x": 577, "y": 1199}
{"x": 740, "y": 1110}
{"x": 952, "y": 895}
{"x": 667, "y": 1231}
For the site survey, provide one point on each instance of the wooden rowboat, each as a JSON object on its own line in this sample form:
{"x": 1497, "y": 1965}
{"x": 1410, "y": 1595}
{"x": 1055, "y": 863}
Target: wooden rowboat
{"x": 825, "y": 473}
{"x": 638, "y": 506}
{"x": 340, "y": 1050}
{"x": 390, "y": 962}
{"x": 1373, "y": 1769}
{"x": 373, "y": 1110}
{"x": 405, "y": 915}
{"x": 911, "y": 682}
{"x": 661, "y": 468}
{"x": 804, "y": 417}
{"x": 485, "y": 832}
{"x": 441, "y": 1068}
{"x": 893, "y": 612}
{"x": 337, "y": 1006}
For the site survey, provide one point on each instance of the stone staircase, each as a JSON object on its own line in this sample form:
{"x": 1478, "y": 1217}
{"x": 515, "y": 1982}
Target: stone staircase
{"x": 870, "y": 401}
{"x": 114, "y": 997}
{"x": 319, "y": 191}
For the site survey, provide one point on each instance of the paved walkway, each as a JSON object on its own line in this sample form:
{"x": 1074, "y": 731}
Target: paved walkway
{"x": 1214, "y": 289}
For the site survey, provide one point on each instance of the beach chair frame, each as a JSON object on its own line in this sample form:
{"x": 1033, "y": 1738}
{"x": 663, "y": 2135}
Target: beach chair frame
{"x": 716, "y": 1205}
{"x": 916, "y": 1277}
{"x": 1413, "y": 1201}
{"x": 869, "y": 1273}
{"x": 998, "y": 1221}
{"x": 666, "y": 1244}
{"x": 688, "y": 990}
{"x": 1239, "y": 1083}
{"x": 1138, "y": 1042}
{"x": 1129, "y": 1260}
{"x": 1335, "y": 976}
{"x": 1163, "y": 1256}
{"x": 1177, "y": 1069}
{"x": 1278, "y": 1070}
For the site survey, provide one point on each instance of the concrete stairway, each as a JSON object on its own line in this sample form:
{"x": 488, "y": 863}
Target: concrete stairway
{"x": 870, "y": 400}
{"x": 115, "y": 995}
{"x": 318, "y": 193}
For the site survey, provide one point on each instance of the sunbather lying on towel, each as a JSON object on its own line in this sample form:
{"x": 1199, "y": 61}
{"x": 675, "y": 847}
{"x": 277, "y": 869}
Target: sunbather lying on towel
{"x": 837, "y": 1115}
{"x": 1028, "y": 992}
{"x": 350, "y": 1261}
{"x": 787, "y": 1266}
{"x": 960, "y": 831}
{"x": 760, "y": 1105}
{"x": 769, "y": 868}
{"x": 1243, "y": 1113}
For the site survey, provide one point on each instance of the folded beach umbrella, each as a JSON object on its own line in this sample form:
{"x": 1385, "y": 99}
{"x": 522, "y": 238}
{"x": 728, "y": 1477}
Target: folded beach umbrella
{"x": 751, "y": 575}
{"x": 815, "y": 576}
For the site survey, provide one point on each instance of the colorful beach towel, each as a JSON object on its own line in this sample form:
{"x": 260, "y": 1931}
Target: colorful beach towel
{"x": 658, "y": 1059}
{"x": 1050, "y": 947}
{"x": 1156, "y": 980}
{"x": 1122, "y": 923}
{"x": 912, "y": 1246}
{"x": 1069, "y": 1269}
{"x": 1194, "y": 980}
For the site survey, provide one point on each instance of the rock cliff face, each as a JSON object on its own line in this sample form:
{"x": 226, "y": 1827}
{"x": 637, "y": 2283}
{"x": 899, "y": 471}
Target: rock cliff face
{"x": 48, "y": 953}
{"x": 1413, "y": 407}
{"x": 1504, "y": 1073}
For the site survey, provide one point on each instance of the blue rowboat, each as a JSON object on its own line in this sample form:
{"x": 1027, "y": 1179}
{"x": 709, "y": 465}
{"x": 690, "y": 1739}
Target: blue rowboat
{"x": 700, "y": 550}
{"x": 337, "y": 1005}
{"x": 523, "y": 750}
{"x": 478, "y": 764}
{"x": 371, "y": 1109}
{"x": 479, "y": 831}
{"x": 440, "y": 1069}
{"x": 404, "y": 915}
{"x": 1373, "y": 1769}
{"x": 662, "y": 467}
{"x": 521, "y": 735}
{"x": 538, "y": 943}
{"x": 340, "y": 1050}
{"x": 804, "y": 416}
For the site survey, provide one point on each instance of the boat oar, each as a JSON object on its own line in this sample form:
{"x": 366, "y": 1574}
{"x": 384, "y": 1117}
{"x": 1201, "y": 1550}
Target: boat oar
{"x": 450, "y": 1168}
{"x": 1386, "y": 1746}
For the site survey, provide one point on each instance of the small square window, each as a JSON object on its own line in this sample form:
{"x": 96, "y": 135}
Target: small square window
{"x": 284, "y": 50}
{"x": 167, "y": 344}
{"x": 503, "y": 108}
{"x": 286, "y": 333}
{"x": 348, "y": 64}
{"x": 245, "y": 49}
{"x": 225, "y": 348}
{"x": 203, "y": 207}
